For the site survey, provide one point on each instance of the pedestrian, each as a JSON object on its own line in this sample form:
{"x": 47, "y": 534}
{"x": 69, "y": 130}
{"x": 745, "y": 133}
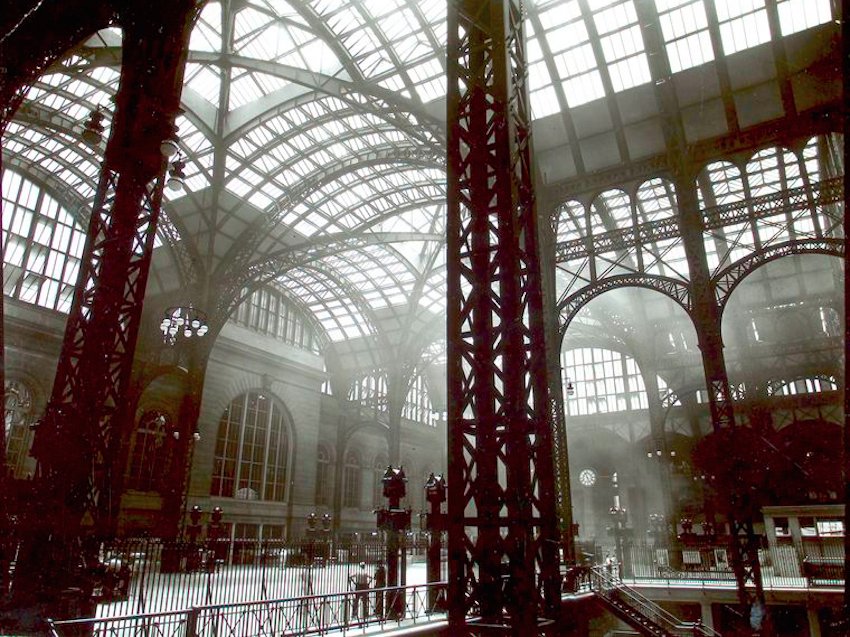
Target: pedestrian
{"x": 361, "y": 582}
{"x": 609, "y": 566}
{"x": 380, "y": 582}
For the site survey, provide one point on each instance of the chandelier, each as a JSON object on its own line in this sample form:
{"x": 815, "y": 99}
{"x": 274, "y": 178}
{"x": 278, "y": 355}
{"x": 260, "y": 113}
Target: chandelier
{"x": 183, "y": 322}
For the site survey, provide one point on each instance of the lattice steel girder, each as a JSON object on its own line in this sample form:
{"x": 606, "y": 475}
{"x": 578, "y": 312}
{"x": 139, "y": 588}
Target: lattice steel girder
{"x": 800, "y": 199}
{"x": 502, "y": 514}
{"x": 79, "y": 440}
{"x": 707, "y": 320}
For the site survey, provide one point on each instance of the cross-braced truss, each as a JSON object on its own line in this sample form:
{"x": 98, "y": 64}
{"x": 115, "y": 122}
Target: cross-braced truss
{"x": 502, "y": 529}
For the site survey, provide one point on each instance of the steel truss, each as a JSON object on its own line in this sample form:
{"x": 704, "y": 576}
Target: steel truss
{"x": 707, "y": 320}
{"x": 78, "y": 443}
{"x": 96, "y": 360}
{"x": 503, "y": 537}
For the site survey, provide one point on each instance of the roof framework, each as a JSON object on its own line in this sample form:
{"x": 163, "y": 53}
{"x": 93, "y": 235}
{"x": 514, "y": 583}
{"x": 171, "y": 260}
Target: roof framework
{"x": 314, "y": 137}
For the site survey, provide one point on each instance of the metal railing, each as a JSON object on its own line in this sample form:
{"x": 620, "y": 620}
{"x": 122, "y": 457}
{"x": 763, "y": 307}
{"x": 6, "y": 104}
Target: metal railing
{"x": 815, "y": 564}
{"x": 612, "y": 589}
{"x": 151, "y": 576}
{"x": 370, "y": 610}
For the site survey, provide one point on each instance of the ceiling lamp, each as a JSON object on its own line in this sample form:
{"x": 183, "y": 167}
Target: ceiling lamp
{"x": 93, "y": 129}
{"x": 170, "y": 145}
{"x": 183, "y": 322}
{"x": 176, "y": 177}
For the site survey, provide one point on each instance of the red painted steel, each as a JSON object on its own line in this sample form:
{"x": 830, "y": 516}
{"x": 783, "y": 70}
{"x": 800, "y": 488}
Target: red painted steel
{"x": 503, "y": 538}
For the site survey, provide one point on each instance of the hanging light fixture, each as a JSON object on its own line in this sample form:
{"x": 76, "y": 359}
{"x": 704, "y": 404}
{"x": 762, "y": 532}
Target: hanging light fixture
{"x": 170, "y": 146}
{"x": 176, "y": 177}
{"x": 183, "y": 322}
{"x": 571, "y": 390}
{"x": 93, "y": 129}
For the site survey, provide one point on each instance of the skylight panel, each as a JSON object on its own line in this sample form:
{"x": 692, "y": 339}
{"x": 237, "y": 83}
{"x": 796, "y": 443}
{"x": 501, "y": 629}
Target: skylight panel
{"x": 798, "y": 15}
{"x": 614, "y": 18}
{"x": 655, "y": 200}
{"x": 204, "y": 81}
{"x": 361, "y": 42}
{"x": 743, "y": 24}
{"x": 398, "y": 23}
{"x": 622, "y": 45}
{"x": 393, "y": 83}
{"x": 630, "y": 72}
{"x": 584, "y": 88}
{"x": 685, "y": 30}
{"x": 206, "y": 36}
{"x": 560, "y": 13}
{"x": 538, "y": 76}
{"x": 428, "y": 79}
{"x": 568, "y": 41}
{"x": 544, "y": 102}
{"x": 243, "y": 90}
{"x": 413, "y": 47}
{"x": 346, "y": 19}
{"x": 569, "y": 221}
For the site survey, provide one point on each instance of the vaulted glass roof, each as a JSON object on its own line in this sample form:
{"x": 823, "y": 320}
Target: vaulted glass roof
{"x": 313, "y": 133}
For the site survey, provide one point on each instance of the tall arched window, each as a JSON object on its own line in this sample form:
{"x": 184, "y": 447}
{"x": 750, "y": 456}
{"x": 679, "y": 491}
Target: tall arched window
{"x": 18, "y": 418}
{"x": 602, "y": 381}
{"x": 417, "y": 405}
{"x": 323, "y": 475}
{"x": 251, "y": 450}
{"x": 149, "y": 451}
{"x": 351, "y": 480}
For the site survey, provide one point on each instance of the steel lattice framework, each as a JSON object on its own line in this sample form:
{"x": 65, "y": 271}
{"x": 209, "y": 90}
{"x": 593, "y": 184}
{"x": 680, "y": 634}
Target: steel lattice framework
{"x": 503, "y": 524}
{"x": 100, "y": 340}
{"x": 78, "y": 443}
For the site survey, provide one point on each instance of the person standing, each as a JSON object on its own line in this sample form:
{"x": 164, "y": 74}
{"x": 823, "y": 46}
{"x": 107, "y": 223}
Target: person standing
{"x": 360, "y": 582}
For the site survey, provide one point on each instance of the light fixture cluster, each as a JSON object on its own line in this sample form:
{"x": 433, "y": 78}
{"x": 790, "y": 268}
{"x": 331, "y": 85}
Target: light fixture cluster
{"x": 183, "y": 322}
{"x": 658, "y": 453}
{"x": 170, "y": 148}
{"x": 93, "y": 128}
{"x": 176, "y": 180}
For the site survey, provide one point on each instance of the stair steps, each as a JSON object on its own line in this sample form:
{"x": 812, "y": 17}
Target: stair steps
{"x": 642, "y": 614}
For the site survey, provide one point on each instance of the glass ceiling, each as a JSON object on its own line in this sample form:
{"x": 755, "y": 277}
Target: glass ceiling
{"x": 322, "y": 121}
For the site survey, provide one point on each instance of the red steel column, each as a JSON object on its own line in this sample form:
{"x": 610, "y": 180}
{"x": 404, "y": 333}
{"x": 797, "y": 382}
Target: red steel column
{"x": 503, "y": 536}
{"x": 78, "y": 440}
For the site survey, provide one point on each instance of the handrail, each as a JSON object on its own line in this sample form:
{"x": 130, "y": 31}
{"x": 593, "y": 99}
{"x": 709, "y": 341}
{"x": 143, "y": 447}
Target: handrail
{"x": 309, "y": 614}
{"x": 605, "y": 585}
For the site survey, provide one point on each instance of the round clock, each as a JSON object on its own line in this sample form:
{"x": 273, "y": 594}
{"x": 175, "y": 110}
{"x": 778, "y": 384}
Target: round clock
{"x": 587, "y": 477}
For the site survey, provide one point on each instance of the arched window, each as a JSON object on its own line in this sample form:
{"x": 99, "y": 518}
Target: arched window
{"x": 602, "y": 381}
{"x": 268, "y": 311}
{"x": 417, "y": 405}
{"x": 251, "y": 450}
{"x": 149, "y": 452}
{"x": 370, "y": 389}
{"x": 19, "y": 417}
{"x": 323, "y": 471}
{"x": 351, "y": 480}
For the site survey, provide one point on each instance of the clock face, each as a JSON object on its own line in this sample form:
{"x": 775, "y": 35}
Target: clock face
{"x": 587, "y": 477}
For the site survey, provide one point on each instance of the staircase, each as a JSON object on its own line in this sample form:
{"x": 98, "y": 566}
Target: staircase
{"x": 642, "y": 614}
